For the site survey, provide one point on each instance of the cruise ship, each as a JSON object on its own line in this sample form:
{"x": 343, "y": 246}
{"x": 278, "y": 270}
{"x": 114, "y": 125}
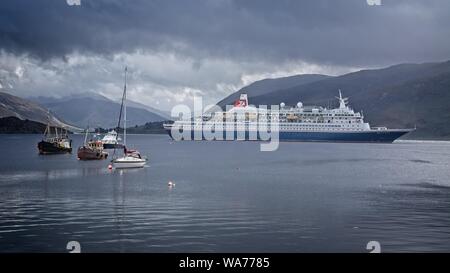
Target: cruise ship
{"x": 299, "y": 123}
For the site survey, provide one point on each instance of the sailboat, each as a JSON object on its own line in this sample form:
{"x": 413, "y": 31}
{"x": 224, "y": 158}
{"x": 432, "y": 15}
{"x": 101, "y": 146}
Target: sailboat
{"x": 58, "y": 143}
{"x": 130, "y": 158}
{"x": 91, "y": 150}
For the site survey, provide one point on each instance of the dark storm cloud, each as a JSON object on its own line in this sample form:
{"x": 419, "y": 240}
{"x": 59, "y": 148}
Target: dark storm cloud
{"x": 346, "y": 32}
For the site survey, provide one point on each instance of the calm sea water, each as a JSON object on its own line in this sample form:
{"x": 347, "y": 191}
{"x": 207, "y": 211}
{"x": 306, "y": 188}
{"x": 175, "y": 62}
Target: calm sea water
{"x": 229, "y": 197}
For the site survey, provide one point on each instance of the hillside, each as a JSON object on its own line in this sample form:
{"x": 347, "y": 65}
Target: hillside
{"x": 163, "y": 114}
{"x": 13, "y": 125}
{"x": 148, "y": 128}
{"x": 265, "y": 86}
{"x": 13, "y": 106}
{"x": 97, "y": 111}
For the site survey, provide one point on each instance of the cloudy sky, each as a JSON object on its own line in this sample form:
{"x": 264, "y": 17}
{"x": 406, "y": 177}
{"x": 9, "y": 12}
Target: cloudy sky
{"x": 210, "y": 48}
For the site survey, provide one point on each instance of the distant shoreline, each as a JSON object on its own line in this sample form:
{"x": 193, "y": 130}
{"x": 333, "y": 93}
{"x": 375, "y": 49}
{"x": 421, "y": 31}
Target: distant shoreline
{"x": 15, "y": 125}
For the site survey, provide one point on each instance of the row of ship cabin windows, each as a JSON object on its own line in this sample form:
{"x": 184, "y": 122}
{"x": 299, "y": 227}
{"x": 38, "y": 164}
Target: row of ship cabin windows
{"x": 328, "y": 121}
{"x": 307, "y": 126}
{"x": 319, "y": 126}
{"x": 320, "y": 115}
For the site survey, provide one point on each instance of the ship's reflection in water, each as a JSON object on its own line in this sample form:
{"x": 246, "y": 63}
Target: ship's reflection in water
{"x": 228, "y": 197}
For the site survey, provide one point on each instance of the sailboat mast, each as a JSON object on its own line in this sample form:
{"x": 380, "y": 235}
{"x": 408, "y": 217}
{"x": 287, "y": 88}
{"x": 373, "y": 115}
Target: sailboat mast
{"x": 125, "y": 110}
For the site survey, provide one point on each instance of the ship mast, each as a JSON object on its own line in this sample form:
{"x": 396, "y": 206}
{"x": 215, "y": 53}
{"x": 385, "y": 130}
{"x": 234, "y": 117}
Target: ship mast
{"x": 125, "y": 110}
{"x": 86, "y": 135}
{"x": 342, "y": 101}
{"x": 47, "y": 129}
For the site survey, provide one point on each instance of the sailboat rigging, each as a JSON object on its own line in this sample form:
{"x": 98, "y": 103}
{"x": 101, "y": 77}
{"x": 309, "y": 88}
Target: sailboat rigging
{"x": 111, "y": 139}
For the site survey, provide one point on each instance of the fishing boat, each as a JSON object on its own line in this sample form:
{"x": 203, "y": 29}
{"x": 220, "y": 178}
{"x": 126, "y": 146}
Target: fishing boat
{"x": 57, "y": 143}
{"x": 92, "y": 149}
{"x": 131, "y": 158}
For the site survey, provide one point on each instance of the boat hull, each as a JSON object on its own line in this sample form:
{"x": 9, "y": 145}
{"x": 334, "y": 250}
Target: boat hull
{"x": 46, "y": 147}
{"x": 128, "y": 165}
{"x": 85, "y": 153}
{"x": 384, "y": 136}
{"x": 129, "y": 161}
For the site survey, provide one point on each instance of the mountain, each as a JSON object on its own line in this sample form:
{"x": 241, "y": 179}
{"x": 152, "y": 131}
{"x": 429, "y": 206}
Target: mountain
{"x": 46, "y": 100}
{"x": 265, "y": 86}
{"x": 399, "y": 96}
{"x": 97, "y": 111}
{"x": 163, "y": 114}
{"x": 13, "y": 106}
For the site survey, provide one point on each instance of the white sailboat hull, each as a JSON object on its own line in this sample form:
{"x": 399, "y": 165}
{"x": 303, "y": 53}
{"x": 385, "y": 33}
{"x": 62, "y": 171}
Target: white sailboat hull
{"x": 128, "y": 162}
